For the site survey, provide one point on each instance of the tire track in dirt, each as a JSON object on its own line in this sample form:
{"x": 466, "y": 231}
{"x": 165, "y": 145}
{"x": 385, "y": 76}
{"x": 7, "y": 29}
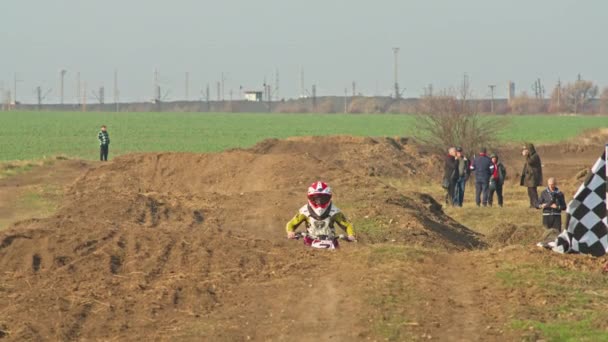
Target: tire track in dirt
{"x": 472, "y": 308}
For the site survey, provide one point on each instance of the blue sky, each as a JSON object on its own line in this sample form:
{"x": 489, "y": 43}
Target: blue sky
{"x": 335, "y": 42}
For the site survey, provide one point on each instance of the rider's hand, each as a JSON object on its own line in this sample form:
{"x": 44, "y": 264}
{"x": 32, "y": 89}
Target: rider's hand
{"x": 291, "y": 235}
{"x": 351, "y": 238}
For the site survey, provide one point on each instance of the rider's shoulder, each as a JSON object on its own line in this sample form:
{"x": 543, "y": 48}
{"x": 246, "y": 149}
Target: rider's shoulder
{"x": 304, "y": 210}
{"x": 334, "y": 210}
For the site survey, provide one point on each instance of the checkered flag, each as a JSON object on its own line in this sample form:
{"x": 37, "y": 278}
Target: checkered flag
{"x": 587, "y": 227}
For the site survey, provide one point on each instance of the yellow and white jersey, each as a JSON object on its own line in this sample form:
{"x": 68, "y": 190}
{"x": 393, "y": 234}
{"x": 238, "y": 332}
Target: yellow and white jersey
{"x": 323, "y": 225}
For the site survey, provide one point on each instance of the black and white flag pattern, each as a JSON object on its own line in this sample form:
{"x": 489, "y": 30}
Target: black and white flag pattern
{"x": 587, "y": 227}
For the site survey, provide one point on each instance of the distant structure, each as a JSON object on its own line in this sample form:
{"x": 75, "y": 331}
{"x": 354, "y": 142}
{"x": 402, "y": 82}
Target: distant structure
{"x": 396, "y": 71}
{"x": 254, "y": 95}
{"x": 511, "y": 93}
{"x": 302, "y": 89}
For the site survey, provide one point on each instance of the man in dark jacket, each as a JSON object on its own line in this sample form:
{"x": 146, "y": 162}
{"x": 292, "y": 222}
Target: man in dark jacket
{"x": 532, "y": 174}
{"x": 463, "y": 171}
{"x": 104, "y": 143}
{"x": 483, "y": 171}
{"x": 552, "y": 202}
{"x": 497, "y": 180}
{"x": 450, "y": 176}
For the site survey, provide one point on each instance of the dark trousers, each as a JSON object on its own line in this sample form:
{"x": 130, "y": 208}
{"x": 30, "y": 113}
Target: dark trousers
{"x": 459, "y": 191}
{"x": 553, "y": 221}
{"x": 481, "y": 192}
{"x": 449, "y": 196}
{"x": 498, "y": 191}
{"x": 533, "y": 196}
{"x": 103, "y": 152}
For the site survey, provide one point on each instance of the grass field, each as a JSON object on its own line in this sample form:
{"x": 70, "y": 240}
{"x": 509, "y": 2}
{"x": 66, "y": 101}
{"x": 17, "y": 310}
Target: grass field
{"x": 35, "y": 135}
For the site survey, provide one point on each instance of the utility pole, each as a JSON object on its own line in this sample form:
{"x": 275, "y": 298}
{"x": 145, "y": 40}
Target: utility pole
{"x": 62, "y": 73}
{"x": 187, "y": 85}
{"x": 492, "y": 86}
{"x": 269, "y": 97}
{"x": 84, "y": 97}
{"x": 302, "y": 90}
{"x": 78, "y": 87}
{"x": 208, "y": 97}
{"x": 276, "y": 84}
{"x": 219, "y": 91}
{"x": 39, "y": 96}
{"x": 116, "y": 100}
{"x": 314, "y": 98}
{"x": 354, "y": 88}
{"x": 396, "y": 67}
{"x": 559, "y": 93}
{"x": 345, "y": 100}
{"x": 464, "y": 93}
{"x": 15, "y": 89}
{"x": 156, "y": 88}
{"x": 223, "y": 84}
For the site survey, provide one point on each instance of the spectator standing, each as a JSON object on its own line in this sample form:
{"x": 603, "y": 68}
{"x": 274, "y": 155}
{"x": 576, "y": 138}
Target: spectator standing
{"x": 552, "y": 202}
{"x": 532, "y": 174}
{"x": 463, "y": 171}
{"x": 449, "y": 176}
{"x": 104, "y": 143}
{"x": 483, "y": 167}
{"x": 497, "y": 180}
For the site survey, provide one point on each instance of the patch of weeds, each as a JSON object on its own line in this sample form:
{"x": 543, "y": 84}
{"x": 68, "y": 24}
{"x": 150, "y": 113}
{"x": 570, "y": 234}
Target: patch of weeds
{"x": 561, "y": 304}
{"x": 13, "y": 169}
{"x": 583, "y": 330}
{"x": 393, "y": 301}
{"x": 385, "y": 253}
{"x": 36, "y": 200}
{"x": 370, "y": 229}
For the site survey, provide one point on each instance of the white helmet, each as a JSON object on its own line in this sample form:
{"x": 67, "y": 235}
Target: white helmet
{"x": 319, "y": 197}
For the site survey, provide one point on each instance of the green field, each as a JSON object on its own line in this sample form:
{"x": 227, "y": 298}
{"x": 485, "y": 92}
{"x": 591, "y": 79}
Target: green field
{"x": 35, "y": 135}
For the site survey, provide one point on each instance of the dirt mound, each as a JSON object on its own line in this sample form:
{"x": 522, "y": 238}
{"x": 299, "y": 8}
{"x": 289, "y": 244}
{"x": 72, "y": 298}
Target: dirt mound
{"x": 162, "y": 242}
{"x": 512, "y": 234}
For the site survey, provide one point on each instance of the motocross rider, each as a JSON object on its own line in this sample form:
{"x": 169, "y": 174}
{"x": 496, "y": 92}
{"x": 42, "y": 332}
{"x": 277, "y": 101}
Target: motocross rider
{"x": 320, "y": 215}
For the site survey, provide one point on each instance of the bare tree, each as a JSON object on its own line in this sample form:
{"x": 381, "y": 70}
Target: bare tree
{"x": 446, "y": 120}
{"x": 577, "y": 95}
{"x": 604, "y": 101}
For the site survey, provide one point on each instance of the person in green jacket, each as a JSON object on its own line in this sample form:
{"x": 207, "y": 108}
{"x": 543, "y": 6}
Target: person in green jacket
{"x": 532, "y": 174}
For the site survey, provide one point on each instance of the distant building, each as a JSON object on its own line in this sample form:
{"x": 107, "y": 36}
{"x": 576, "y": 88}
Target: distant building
{"x": 254, "y": 96}
{"x": 511, "y": 94}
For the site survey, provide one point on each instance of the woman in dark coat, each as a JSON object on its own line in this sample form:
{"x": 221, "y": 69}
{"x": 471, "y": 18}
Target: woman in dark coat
{"x": 532, "y": 174}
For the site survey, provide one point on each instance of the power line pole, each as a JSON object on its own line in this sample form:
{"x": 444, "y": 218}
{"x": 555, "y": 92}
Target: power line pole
{"x": 84, "y": 97}
{"x": 396, "y": 67}
{"x": 78, "y": 87}
{"x": 62, "y": 73}
{"x": 187, "y": 85}
{"x": 15, "y": 89}
{"x": 354, "y": 88}
{"x": 223, "y": 84}
{"x": 276, "y": 84}
{"x": 40, "y": 96}
{"x": 302, "y": 90}
{"x": 314, "y": 98}
{"x": 559, "y": 93}
{"x": 208, "y": 97}
{"x": 345, "y": 100}
{"x": 492, "y": 86}
{"x": 116, "y": 100}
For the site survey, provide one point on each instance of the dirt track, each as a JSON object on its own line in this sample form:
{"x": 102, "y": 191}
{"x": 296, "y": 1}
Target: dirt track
{"x": 192, "y": 247}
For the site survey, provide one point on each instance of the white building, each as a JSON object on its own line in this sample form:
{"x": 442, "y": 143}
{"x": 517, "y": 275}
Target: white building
{"x": 254, "y": 96}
